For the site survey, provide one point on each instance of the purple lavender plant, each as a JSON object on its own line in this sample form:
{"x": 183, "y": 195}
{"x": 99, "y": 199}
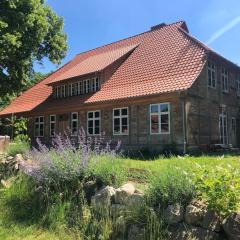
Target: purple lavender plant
{"x": 66, "y": 160}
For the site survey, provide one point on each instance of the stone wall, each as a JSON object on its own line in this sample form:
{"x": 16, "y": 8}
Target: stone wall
{"x": 204, "y": 104}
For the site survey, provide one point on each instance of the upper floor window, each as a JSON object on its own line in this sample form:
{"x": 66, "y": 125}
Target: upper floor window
{"x": 39, "y": 126}
{"x": 74, "y": 124}
{"x": 238, "y": 85}
{"x": 160, "y": 118}
{"x": 233, "y": 125}
{"x": 52, "y": 126}
{"x": 120, "y": 121}
{"x": 77, "y": 88}
{"x": 212, "y": 81}
{"x": 93, "y": 121}
{"x": 225, "y": 81}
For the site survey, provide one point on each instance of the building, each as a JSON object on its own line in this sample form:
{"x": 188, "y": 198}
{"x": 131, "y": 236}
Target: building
{"x": 157, "y": 88}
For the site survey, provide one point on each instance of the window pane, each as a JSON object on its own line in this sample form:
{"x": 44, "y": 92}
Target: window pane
{"x": 124, "y": 111}
{"x": 97, "y": 114}
{"x": 164, "y": 119}
{"x": 97, "y": 123}
{"x": 117, "y": 129}
{"x": 154, "y": 108}
{"x": 90, "y": 123}
{"x": 164, "y": 128}
{"x": 116, "y": 112}
{"x": 90, "y": 130}
{"x": 36, "y": 120}
{"x": 74, "y": 116}
{"x": 52, "y": 118}
{"x": 124, "y": 121}
{"x": 97, "y": 130}
{"x": 90, "y": 115}
{"x": 117, "y": 121}
{"x": 124, "y": 129}
{"x": 164, "y": 107}
{"x": 154, "y": 124}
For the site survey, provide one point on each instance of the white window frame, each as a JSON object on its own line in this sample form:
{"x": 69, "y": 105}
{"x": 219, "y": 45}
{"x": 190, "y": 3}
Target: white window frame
{"x": 93, "y": 119}
{"x": 39, "y": 123}
{"x": 50, "y": 124}
{"x": 159, "y": 114}
{"x": 213, "y": 72}
{"x": 73, "y": 121}
{"x": 225, "y": 80}
{"x": 121, "y": 117}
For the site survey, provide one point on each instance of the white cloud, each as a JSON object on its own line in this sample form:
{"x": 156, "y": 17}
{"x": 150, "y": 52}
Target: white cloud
{"x": 223, "y": 30}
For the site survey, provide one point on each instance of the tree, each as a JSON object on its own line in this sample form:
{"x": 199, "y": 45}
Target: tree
{"x": 29, "y": 31}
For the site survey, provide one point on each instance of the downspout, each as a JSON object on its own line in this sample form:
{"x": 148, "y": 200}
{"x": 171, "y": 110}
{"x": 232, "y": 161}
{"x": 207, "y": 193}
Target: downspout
{"x": 184, "y": 127}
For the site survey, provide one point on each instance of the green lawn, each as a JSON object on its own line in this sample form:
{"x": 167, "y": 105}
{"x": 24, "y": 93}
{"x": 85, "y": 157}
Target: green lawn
{"x": 141, "y": 169}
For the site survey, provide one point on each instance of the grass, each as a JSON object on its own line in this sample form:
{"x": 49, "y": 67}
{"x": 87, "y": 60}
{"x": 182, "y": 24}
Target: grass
{"x": 141, "y": 170}
{"x": 141, "y": 173}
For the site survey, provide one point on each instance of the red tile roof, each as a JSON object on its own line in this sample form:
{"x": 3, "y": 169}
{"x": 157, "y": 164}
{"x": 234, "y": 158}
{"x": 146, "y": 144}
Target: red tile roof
{"x": 95, "y": 63}
{"x": 163, "y": 60}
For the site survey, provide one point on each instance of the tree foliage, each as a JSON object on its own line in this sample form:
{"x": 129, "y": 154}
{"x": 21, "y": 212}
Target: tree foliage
{"x": 29, "y": 31}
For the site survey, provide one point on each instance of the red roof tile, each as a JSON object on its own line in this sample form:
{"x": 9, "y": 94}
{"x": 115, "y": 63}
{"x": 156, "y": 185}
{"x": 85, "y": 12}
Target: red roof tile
{"x": 95, "y": 63}
{"x": 163, "y": 60}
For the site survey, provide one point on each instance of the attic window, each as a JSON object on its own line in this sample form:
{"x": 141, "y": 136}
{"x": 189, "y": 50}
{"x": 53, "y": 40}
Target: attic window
{"x": 77, "y": 88}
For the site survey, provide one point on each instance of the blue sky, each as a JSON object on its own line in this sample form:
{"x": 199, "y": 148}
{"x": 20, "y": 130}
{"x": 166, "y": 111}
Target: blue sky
{"x": 92, "y": 23}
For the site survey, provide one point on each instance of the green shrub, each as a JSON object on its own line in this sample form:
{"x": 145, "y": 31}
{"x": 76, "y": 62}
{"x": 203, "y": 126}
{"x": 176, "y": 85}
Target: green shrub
{"x": 170, "y": 186}
{"x": 220, "y": 187}
{"x": 21, "y": 147}
{"x": 108, "y": 169}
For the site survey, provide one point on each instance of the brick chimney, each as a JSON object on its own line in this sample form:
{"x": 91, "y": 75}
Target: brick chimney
{"x": 156, "y": 27}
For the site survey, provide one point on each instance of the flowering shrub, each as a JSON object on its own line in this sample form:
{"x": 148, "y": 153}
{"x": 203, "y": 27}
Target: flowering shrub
{"x": 66, "y": 161}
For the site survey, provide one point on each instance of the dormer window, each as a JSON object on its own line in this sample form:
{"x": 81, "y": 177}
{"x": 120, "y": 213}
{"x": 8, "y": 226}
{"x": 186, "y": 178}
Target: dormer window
{"x": 77, "y": 88}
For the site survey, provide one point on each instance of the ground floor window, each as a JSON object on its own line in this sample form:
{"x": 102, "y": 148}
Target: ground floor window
{"x": 74, "y": 124}
{"x": 52, "y": 125}
{"x": 120, "y": 121}
{"x": 160, "y": 118}
{"x": 39, "y": 126}
{"x": 93, "y": 122}
{"x": 223, "y": 128}
{"x": 234, "y": 126}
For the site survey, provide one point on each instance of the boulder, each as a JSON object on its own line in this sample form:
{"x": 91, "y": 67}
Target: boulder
{"x": 194, "y": 214}
{"x": 117, "y": 210}
{"x": 123, "y": 193}
{"x": 211, "y": 221}
{"x": 173, "y": 214}
{"x": 135, "y": 200}
{"x": 103, "y": 197}
{"x": 186, "y": 232}
{"x": 136, "y": 232}
{"x": 231, "y": 226}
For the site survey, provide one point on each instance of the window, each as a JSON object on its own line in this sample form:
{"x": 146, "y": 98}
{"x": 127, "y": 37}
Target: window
{"x": 238, "y": 85}
{"x": 224, "y": 80}
{"x": 234, "y": 126}
{"x": 94, "y": 123}
{"x": 39, "y": 126}
{"x": 160, "y": 118}
{"x": 211, "y": 74}
{"x": 97, "y": 84}
{"x": 80, "y": 87}
{"x": 74, "y": 124}
{"x": 120, "y": 121}
{"x": 52, "y": 125}
{"x": 58, "y": 92}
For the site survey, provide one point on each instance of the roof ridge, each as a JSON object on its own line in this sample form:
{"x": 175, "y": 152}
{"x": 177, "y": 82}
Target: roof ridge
{"x": 126, "y": 38}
